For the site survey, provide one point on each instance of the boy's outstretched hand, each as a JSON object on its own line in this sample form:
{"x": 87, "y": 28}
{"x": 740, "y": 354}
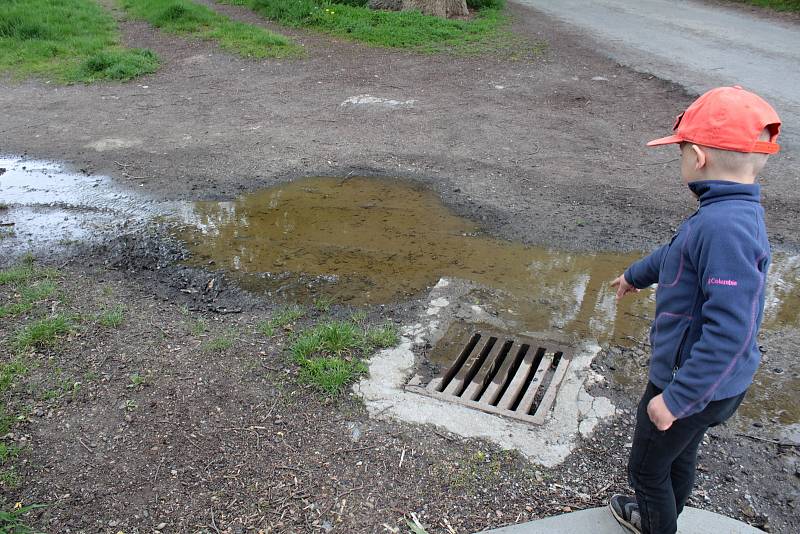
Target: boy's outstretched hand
{"x": 623, "y": 287}
{"x": 659, "y": 413}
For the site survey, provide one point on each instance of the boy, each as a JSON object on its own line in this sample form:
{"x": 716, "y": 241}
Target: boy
{"x": 709, "y": 302}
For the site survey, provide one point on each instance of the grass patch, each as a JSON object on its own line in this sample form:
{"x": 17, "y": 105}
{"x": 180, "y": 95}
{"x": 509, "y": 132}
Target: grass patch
{"x": 188, "y": 18}
{"x": 219, "y": 344}
{"x": 282, "y": 318}
{"x": 29, "y": 285}
{"x": 112, "y": 318}
{"x": 381, "y": 337}
{"x": 69, "y": 40}
{"x": 199, "y": 326}
{"x": 330, "y": 374}
{"x": 485, "y": 33}
{"x": 12, "y": 522}
{"x": 777, "y": 5}
{"x": 330, "y": 354}
{"x": 323, "y": 303}
{"x": 9, "y": 372}
{"x": 27, "y": 296}
{"x": 43, "y": 333}
{"x": 25, "y": 272}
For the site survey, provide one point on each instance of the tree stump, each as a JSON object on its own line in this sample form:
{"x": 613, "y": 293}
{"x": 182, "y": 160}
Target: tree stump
{"x": 439, "y": 8}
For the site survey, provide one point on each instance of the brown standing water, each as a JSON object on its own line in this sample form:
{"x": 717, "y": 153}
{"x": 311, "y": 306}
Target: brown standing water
{"x": 369, "y": 241}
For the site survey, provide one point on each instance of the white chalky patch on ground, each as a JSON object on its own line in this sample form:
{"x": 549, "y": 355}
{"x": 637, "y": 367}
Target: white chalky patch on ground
{"x": 111, "y": 143}
{"x": 575, "y": 411}
{"x": 376, "y": 101}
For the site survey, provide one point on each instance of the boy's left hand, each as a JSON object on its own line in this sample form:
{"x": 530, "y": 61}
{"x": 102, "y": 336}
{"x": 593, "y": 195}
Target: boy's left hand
{"x": 659, "y": 413}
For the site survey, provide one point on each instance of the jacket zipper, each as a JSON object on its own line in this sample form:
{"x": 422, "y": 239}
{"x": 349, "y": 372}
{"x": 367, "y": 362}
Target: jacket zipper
{"x": 676, "y": 365}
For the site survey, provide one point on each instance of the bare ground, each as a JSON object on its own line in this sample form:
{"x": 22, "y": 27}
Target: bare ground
{"x": 227, "y": 441}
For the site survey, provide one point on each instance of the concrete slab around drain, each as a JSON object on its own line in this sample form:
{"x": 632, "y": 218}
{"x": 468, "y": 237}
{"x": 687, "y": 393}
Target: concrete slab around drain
{"x": 575, "y": 413}
{"x": 600, "y": 521}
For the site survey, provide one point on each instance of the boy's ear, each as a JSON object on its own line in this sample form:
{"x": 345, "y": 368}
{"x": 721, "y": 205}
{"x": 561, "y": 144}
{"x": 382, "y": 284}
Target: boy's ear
{"x": 700, "y": 157}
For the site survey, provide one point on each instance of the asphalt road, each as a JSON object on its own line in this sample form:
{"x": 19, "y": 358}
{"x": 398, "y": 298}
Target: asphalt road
{"x": 696, "y": 45}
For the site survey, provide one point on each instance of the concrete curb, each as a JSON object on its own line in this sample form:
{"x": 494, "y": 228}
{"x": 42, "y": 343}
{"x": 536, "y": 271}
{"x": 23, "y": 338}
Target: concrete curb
{"x": 600, "y": 521}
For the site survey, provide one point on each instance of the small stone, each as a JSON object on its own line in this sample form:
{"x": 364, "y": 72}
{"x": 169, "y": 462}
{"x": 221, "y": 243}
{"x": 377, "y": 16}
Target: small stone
{"x": 355, "y": 431}
{"x": 161, "y": 526}
{"x": 599, "y": 79}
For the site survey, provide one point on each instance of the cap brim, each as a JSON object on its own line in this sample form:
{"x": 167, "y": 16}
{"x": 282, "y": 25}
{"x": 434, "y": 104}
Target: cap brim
{"x": 669, "y": 140}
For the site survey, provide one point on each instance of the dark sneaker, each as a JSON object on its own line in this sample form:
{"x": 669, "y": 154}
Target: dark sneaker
{"x": 625, "y": 510}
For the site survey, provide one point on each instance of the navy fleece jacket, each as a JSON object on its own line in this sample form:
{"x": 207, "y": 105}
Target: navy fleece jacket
{"x": 710, "y": 298}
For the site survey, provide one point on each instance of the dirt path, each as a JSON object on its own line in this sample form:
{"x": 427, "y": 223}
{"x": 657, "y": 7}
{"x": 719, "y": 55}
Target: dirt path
{"x": 506, "y": 143}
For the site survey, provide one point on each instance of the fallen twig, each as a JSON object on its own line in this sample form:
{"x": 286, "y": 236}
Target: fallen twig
{"x": 85, "y": 446}
{"x": 657, "y": 162}
{"x": 214, "y": 522}
{"x": 767, "y": 440}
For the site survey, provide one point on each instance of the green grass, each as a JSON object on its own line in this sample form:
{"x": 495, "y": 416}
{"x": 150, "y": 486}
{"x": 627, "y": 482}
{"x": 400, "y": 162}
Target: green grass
{"x": 323, "y": 303}
{"x": 188, "y": 18}
{"x": 330, "y": 354}
{"x": 12, "y": 522}
{"x": 29, "y": 285}
{"x": 9, "y": 372}
{"x": 199, "y": 326}
{"x": 137, "y": 381}
{"x": 42, "y": 333}
{"x": 112, "y": 318}
{"x": 28, "y": 295}
{"x": 330, "y": 375}
{"x": 282, "y": 318}
{"x": 68, "y": 40}
{"x": 26, "y": 272}
{"x": 219, "y": 344}
{"x": 381, "y": 337}
{"x": 777, "y": 5}
{"x": 485, "y": 33}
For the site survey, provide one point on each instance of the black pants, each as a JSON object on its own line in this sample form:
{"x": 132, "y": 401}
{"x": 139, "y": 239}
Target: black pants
{"x": 662, "y": 464}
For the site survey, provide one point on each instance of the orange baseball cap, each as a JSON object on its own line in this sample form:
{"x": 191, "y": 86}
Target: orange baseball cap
{"x": 729, "y": 118}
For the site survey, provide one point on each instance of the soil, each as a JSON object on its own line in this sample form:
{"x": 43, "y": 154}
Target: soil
{"x": 534, "y": 151}
{"x": 225, "y": 440}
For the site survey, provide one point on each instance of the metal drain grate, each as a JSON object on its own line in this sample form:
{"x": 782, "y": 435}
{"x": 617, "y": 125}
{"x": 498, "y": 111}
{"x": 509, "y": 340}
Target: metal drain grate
{"x": 514, "y": 377}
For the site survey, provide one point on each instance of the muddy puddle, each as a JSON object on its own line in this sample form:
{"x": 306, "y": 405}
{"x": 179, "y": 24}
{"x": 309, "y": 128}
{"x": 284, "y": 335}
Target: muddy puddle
{"x": 364, "y": 240}
{"x": 375, "y": 241}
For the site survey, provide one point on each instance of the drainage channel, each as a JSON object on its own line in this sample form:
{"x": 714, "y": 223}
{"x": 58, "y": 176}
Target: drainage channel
{"x": 515, "y": 377}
